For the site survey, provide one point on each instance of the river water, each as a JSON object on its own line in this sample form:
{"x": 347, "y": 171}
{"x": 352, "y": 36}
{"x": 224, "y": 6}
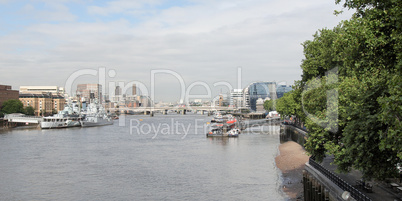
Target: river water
{"x": 165, "y": 157}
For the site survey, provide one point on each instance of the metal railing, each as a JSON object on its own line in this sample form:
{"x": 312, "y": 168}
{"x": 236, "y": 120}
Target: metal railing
{"x": 356, "y": 194}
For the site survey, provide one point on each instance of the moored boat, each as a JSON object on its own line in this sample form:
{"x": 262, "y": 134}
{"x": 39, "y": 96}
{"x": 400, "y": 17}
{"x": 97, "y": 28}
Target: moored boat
{"x": 234, "y": 132}
{"x": 225, "y": 129}
{"x": 91, "y": 121}
{"x": 64, "y": 119}
{"x": 96, "y": 116}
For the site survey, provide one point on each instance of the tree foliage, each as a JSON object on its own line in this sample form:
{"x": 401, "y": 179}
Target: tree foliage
{"x": 29, "y": 110}
{"x": 290, "y": 103}
{"x": 350, "y": 92}
{"x": 12, "y": 106}
{"x": 286, "y": 105}
{"x": 269, "y": 105}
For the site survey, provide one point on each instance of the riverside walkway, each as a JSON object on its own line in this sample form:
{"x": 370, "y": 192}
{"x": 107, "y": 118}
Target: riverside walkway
{"x": 381, "y": 191}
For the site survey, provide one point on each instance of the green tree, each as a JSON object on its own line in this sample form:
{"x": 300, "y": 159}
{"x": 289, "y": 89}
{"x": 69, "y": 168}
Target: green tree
{"x": 319, "y": 102}
{"x": 42, "y": 112}
{"x": 286, "y": 106}
{"x": 29, "y": 110}
{"x": 366, "y": 51}
{"x": 390, "y": 114}
{"x": 12, "y": 106}
{"x": 269, "y": 105}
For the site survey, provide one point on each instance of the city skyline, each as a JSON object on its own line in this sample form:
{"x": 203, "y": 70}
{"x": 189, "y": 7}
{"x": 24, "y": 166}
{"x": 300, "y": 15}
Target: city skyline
{"x": 47, "y": 42}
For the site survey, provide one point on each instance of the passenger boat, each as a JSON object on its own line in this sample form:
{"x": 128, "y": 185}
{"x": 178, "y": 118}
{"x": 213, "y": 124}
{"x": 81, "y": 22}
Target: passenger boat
{"x": 64, "y": 119}
{"x": 226, "y": 129}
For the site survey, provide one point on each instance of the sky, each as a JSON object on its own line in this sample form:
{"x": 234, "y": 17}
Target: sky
{"x": 198, "y": 47}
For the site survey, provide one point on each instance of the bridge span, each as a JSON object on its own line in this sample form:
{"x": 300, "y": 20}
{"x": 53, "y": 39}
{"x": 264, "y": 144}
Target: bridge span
{"x": 193, "y": 108}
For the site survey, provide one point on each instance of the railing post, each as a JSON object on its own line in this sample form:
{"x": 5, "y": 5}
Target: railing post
{"x": 326, "y": 195}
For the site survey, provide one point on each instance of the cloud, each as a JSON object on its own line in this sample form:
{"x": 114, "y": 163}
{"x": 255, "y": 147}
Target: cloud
{"x": 200, "y": 40}
{"x": 52, "y": 11}
{"x": 121, "y": 7}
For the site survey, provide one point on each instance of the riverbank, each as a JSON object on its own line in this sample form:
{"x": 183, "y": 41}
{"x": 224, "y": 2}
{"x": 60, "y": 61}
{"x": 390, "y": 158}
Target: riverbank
{"x": 290, "y": 161}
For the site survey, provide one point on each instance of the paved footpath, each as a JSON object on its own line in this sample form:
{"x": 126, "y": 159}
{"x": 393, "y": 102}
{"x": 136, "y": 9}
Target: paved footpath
{"x": 381, "y": 190}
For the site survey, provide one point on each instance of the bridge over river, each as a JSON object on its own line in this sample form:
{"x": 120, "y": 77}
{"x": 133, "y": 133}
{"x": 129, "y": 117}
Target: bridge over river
{"x": 182, "y": 110}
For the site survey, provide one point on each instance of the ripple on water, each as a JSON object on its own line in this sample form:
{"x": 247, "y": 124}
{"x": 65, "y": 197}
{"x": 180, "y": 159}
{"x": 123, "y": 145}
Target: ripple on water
{"x": 110, "y": 163}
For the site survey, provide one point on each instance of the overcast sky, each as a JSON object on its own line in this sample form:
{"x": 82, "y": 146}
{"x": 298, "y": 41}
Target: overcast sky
{"x": 46, "y": 42}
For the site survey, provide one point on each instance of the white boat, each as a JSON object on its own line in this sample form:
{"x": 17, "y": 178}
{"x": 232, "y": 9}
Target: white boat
{"x": 64, "y": 119}
{"x": 234, "y": 132}
{"x": 95, "y": 115}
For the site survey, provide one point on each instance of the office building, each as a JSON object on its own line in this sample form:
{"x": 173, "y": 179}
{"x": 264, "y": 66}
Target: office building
{"x": 257, "y": 90}
{"x": 282, "y": 89}
{"x": 134, "y": 92}
{"x": 89, "y": 92}
{"x": 236, "y": 98}
{"x": 144, "y": 101}
{"x": 118, "y": 91}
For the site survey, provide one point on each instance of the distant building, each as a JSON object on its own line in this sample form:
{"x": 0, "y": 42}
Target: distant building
{"x": 44, "y": 103}
{"x": 109, "y": 105}
{"x": 117, "y": 96}
{"x": 220, "y": 100}
{"x": 260, "y": 105}
{"x": 6, "y": 93}
{"x": 282, "y": 89}
{"x": 134, "y": 92}
{"x": 257, "y": 90}
{"x": 118, "y": 91}
{"x": 55, "y": 90}
{"x": 89, "y": 92}
{"x": 144, "y": 101}
{"x": 131, "y": 101}
{"x": 236, "y": 98}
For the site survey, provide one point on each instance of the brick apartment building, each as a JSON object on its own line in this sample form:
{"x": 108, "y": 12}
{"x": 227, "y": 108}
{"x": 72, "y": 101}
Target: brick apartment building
{"x": 44, "y": 103}
{"x": 6, "y": 93}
